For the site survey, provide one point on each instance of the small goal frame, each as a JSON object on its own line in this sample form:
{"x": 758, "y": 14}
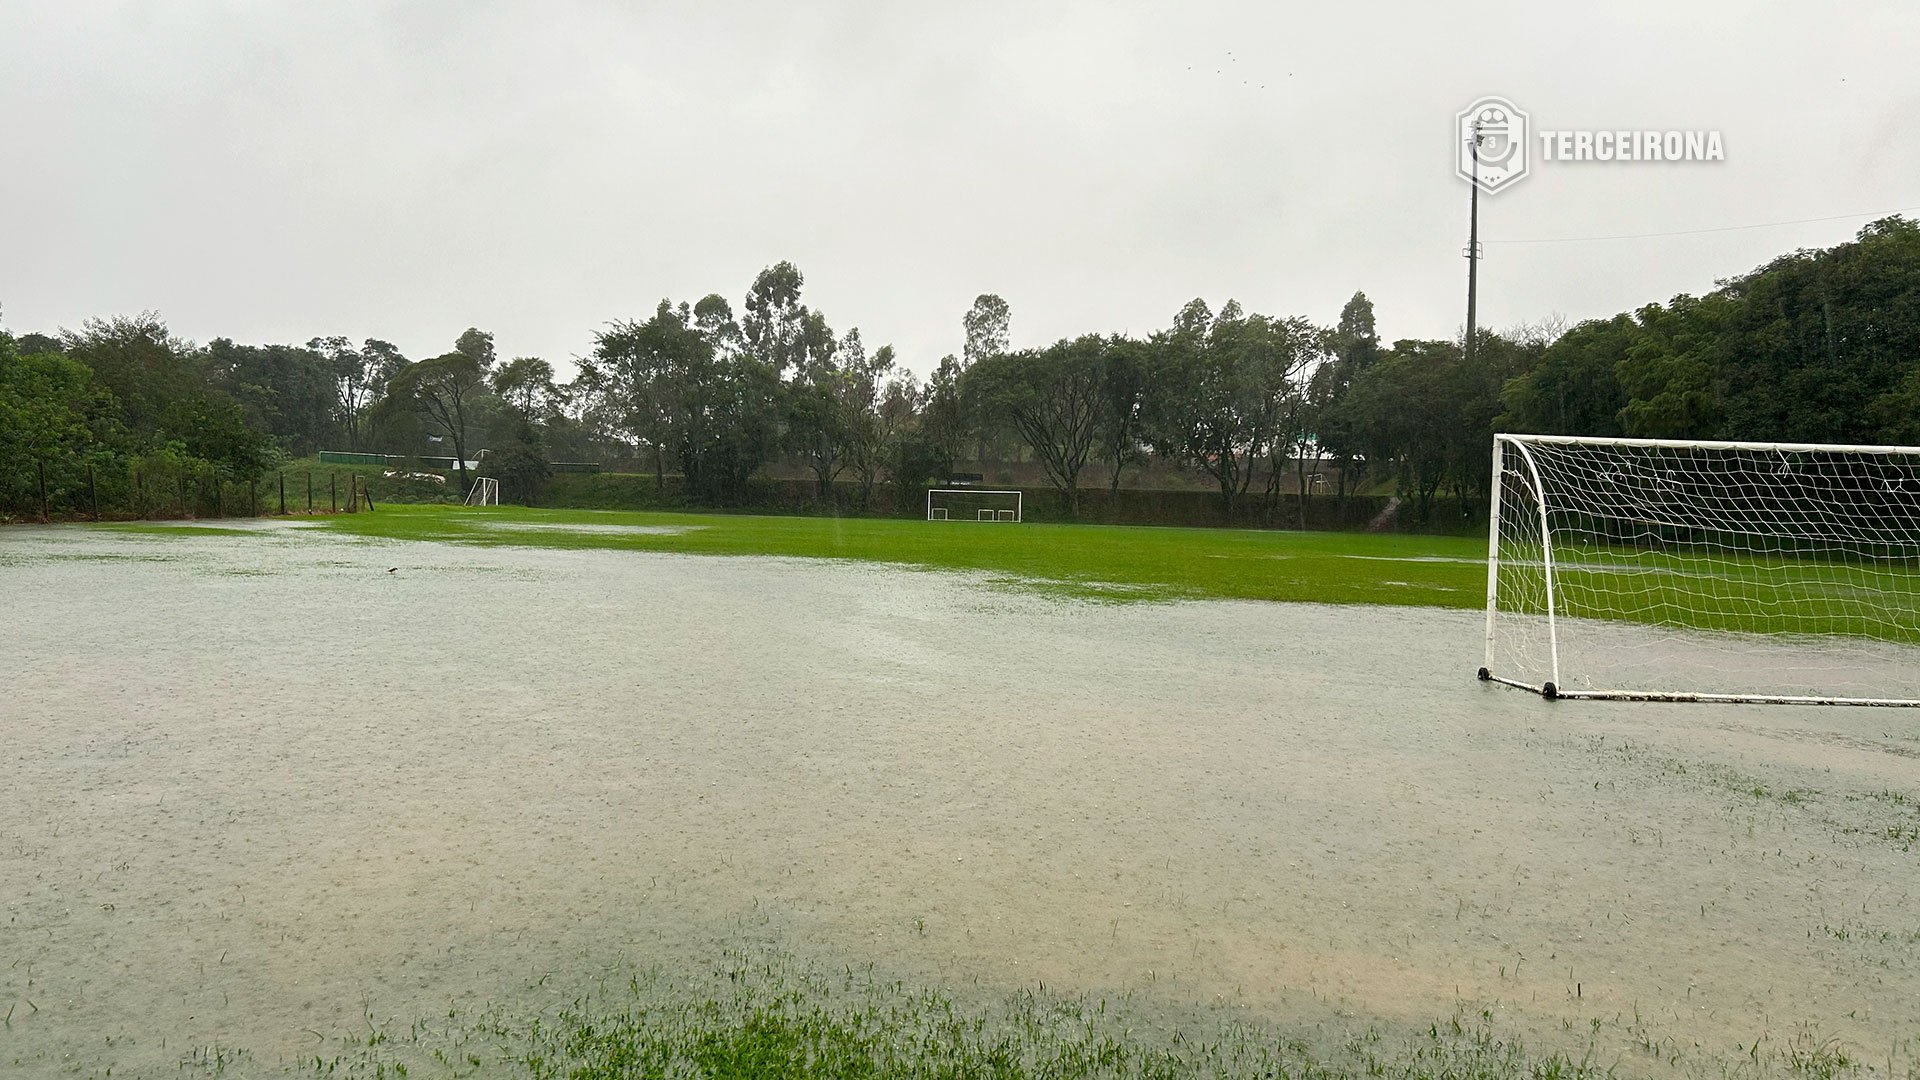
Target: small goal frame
{"x": 1553, "y": 687}
{"x": 485, "y": 492}
{"x": 939, "y": 513}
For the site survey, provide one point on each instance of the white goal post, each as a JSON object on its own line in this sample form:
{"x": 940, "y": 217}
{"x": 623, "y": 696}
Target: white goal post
{"x": 1669, "y": 570}
{"x": 967, "y": 498}
{"x": 485, "y": 492}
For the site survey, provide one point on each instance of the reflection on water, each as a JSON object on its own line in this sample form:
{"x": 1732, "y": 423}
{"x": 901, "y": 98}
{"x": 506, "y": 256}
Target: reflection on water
{"x": 262, "y": 786}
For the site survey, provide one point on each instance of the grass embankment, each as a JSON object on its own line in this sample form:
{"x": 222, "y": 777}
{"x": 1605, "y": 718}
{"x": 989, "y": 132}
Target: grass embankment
{"x": 1117, "y": 562}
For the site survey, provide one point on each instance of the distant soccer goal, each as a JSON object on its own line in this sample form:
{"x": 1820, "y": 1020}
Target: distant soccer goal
{"x": 485, "y": 492}
{"x": 1704, "y": 571}
{"x": 974, "y": 504}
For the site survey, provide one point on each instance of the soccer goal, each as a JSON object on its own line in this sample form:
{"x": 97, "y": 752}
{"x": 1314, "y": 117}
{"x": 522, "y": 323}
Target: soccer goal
{"x": 973, "y": 504}
{"x": 485, "y": 492}
{"x": 1704, "y": 571}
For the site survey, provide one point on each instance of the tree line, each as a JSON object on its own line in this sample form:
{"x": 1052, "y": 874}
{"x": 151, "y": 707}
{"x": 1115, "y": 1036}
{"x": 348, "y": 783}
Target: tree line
{"x": 1817, "y": 346}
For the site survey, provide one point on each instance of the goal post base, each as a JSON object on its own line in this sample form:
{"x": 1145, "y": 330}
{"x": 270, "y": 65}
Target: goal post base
{"x": 1553, "y": 693}
{"x": 1546, "y": 691}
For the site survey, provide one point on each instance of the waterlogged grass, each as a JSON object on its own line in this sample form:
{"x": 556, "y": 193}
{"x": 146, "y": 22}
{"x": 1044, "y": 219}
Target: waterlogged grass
{"x": 1087, "y": 561}
{"x": 1118, "y": 563}
{"x": 765, "y": 1015}
{"x": 762, "y": 1017}
{"x": 1810, "y": 593}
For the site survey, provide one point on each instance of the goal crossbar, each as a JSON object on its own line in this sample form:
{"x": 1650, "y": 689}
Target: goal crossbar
{"x": 1688, "y": 444}
{"x": 1789, "y": 572}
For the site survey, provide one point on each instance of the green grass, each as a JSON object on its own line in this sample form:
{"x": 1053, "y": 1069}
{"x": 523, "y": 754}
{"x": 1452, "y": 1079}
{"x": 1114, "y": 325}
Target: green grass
{"x": 763, "y": 1014}
{"x": 1679, "y": 588}
{"x": 770, "y": 1017}
{"x": 1108, "y": 562}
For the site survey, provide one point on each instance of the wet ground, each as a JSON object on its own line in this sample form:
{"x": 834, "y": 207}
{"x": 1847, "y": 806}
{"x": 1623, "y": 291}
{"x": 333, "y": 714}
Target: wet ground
{"x": 259, "y": 788}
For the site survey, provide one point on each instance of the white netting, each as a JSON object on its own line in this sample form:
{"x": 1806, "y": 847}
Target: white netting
{"x": 973, "y": 504}
{"x": 1708, "y": 568}
{"x": 485, "y": 492}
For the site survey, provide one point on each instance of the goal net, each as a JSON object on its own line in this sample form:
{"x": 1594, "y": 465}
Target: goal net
{"x": 1704, "y": 571}
{"x": 485, "y": 492}
{"x": 974, "y": 504}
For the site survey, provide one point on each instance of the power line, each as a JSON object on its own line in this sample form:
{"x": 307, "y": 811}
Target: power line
{"x": 1697, "y": 232}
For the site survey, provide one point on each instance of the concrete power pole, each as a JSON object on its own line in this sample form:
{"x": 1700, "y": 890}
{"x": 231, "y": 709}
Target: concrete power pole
{"x": 1473, "y": 236}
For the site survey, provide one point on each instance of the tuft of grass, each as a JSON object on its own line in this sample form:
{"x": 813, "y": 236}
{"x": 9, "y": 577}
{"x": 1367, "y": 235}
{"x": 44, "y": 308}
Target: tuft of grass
{"x": 771, "y": 1018}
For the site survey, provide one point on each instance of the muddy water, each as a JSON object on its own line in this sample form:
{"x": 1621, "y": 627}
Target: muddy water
{"x": 259, "y": 787}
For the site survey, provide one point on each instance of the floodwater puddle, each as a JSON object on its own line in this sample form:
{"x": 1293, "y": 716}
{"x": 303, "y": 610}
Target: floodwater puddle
{"x": 248, "y": 805}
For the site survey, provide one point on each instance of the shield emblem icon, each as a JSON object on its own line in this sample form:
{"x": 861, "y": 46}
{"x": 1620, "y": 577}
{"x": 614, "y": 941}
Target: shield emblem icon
{"x": 1490, "y": 144}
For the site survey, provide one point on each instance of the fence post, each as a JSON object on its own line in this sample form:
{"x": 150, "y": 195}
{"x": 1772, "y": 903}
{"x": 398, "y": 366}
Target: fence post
{"x": 93, "y": 493}
{"x": 367, "y": 490}
{"x": 333, "y": 493}
{"x": 309, "y": 491}
{"x": 42, "y": 462}
{"x": 183, "y": 494}
{"x": 139, "y": 495}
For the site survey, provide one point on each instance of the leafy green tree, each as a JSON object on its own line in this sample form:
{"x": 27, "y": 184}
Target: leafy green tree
{"x": 776, "y": 328}
{"x": 889, "y": 402}
{"x": 520, "y": 461}
{"x": 1574, "y": 390}
{"x": 477, "y": 346}
{"x": 443, "y": 391}
{"x": 1816, "y": 335}
{"x": 287, "y": 391}
{"x": 1355, "y": 345}
{"x": 1228, "y": 379}
{"x": 637, "y": 379}
{"x": 946, "y": 420}
{"x": 713, "y": 317}
{"x": 1399, "y": 419}
{"x": 1298, "y": 440}
{"x": 1127, "y": 384}
{"x": 1669, "y": 369}
{"x": 820, "y": 420}
{"x": 732, "y": 409}
{"x": 525, "y": 384}
{"x": 140, "y": 363}
{"x": 215, "y": 429}
{"x": 52, "y": 416}
{"x": 358, "y": 375}
{"x": 1053, "y": 398}
{"x": 988, "y": 326}
{"x": 914, "y": 463}
{"x": 34, "y": 344}
{"x": 1428, "y": 414}
{"x": 1896, "y": 413}
{"x": 665, "y": 382}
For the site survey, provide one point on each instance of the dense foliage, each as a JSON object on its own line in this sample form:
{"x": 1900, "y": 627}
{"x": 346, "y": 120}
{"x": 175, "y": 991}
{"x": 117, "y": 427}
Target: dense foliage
{"x": 1816, "y": 346}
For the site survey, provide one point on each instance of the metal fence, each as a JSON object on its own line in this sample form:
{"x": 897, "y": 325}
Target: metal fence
{"x": 57, "y": 490}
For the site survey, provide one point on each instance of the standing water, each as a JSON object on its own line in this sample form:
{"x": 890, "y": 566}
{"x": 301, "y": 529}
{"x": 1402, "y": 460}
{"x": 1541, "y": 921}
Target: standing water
{"x": 262, "y": 788}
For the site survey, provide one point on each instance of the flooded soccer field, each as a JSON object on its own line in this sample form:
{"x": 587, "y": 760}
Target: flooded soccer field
{"x": 265, "y": 790}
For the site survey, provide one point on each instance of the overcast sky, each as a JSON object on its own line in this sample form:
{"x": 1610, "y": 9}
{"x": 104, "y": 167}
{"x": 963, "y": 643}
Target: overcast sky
{"x": 272, "y": 172}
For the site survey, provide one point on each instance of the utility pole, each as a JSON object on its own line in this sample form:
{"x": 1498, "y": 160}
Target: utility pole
{"x": 1473, "y": 235}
